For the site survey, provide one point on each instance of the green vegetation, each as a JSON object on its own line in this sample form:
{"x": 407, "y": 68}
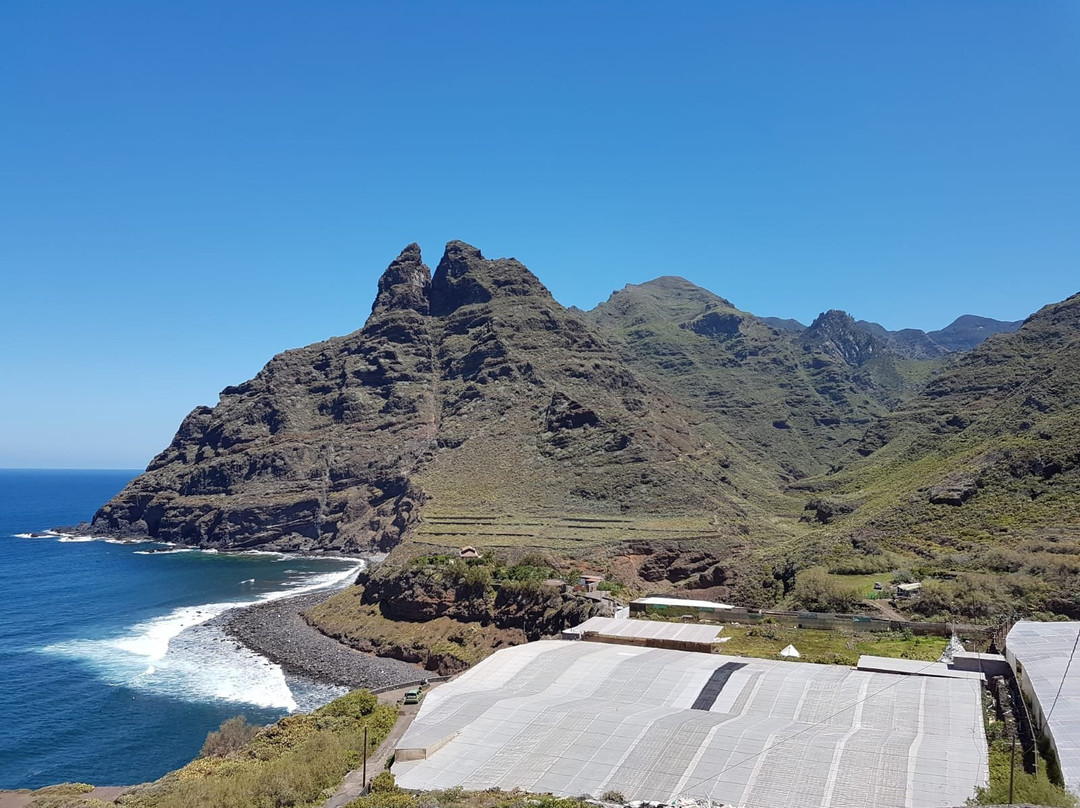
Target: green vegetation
{"x": 233, "y": 735}
{"x": 1034, "y": 789}
{"x": 829, "y": 647}
{"x": 290, "y": 764}
{"x": 388, "y": 795}
{"x": 66, "y": 795}
{"x": 817, "y": 591}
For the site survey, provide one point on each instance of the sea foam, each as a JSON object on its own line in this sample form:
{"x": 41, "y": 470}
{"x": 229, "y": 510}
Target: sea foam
{"x": 187, "y": 655}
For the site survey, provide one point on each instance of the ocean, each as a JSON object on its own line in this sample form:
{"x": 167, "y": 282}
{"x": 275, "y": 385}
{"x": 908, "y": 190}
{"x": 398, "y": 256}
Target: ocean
{"x": 109, "y": 671}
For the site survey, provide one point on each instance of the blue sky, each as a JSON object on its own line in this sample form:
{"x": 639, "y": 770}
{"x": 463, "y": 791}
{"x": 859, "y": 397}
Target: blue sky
{"x": 187, "y": 188}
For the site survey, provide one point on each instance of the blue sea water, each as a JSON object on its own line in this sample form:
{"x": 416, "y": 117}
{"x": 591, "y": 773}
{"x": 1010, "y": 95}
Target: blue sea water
{"x": 109, "y": 670}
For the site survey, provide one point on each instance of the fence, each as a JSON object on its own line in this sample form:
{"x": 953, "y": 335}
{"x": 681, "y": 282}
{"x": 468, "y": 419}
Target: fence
{"x": 417, "y": 683}
{"x": 819, "y": 620}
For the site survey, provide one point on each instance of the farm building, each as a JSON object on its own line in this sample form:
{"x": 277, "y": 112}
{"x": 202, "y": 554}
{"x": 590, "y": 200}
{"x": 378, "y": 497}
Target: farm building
{"x": 575, "y": 718}
{"x": 646, "y": 633}
{"x": 677, "y": 607}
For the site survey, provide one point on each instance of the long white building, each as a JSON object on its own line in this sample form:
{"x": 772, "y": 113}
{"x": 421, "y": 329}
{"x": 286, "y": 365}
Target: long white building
{"x": 1039, "y": 654}
{"x": 575, "y": 718}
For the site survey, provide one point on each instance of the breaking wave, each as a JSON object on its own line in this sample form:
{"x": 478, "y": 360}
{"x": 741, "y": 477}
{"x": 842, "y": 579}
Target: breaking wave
{"x": 187, "y": 655}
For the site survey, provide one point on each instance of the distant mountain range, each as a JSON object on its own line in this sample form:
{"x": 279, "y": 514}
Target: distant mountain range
{"x": 962, "y": 334}
{"x": 664, "y": 434}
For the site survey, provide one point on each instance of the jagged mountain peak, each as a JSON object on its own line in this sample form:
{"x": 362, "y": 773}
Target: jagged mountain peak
{"x": 464, "y": 276}
{"x": 832, "y": 318}
{"x": 406, "y": 283}
{"x": 836, "y": 333}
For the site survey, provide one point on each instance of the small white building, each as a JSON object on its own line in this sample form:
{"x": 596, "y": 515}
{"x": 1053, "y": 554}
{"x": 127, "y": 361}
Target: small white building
{"x": 677, "y": 607}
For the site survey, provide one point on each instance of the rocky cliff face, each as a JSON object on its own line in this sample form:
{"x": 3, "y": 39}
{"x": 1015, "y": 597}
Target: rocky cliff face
{"x": 468, "y": 387}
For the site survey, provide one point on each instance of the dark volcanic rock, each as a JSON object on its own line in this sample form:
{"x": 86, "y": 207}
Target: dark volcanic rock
{"x": 837, "y": 334}
{"x": 340, "y": 445}
{"x": 825, "y": 511}
{"x": 955, "y": 491}
{"x": 278, "y": 631}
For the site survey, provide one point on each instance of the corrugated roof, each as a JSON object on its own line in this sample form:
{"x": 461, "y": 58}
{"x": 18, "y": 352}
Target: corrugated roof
{"x": 576, "y": 718}
{"x": 1044, "y": 649}
{"x": 647, "y": 629}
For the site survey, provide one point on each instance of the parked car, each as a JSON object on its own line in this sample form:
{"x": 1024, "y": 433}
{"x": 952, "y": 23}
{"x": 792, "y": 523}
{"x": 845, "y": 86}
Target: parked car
{"x": 414, "y": 696}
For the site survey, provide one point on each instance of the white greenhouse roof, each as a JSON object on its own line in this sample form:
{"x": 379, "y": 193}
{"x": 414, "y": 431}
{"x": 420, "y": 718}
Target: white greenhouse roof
{"x": 686, "y": 604}
{"x": 647, "y": 630}
{"x": 572, "y": 718}
{"x": 914, "y": 667}
{"x": 1044, "y": 650}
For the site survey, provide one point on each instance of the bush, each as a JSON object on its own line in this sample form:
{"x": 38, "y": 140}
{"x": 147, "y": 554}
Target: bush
{"x": 1034, "y": 789}
{"x": 613, "y": 796}
{"x": 383, "y": 783}
{"x": 473, "y": 578}
{"x": 356, "y": 703}
{"x": 815, "y": 591}
{"x": 233, "y": 735}
{"x": 862, "y": 565}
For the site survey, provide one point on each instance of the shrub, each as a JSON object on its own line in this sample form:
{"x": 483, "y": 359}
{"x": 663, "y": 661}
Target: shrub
{"x": 862, "y": 565}
{"x": 233, "y": 735}
{"x": 815, "y": 591}
{"x": 356, "y": 703}
{"x": 474, "y": 578}
{"x": 384, "y": 783}
{"x": 613, "y": 796}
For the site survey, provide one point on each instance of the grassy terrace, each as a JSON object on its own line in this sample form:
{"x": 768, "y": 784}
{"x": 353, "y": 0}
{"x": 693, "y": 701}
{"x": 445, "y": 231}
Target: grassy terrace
{"x": 830, "y": 647}
{"x": 555, "y": 532}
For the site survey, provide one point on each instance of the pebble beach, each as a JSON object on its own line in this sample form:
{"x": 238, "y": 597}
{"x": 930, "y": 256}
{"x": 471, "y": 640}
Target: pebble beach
{"x": 277, "y": 631}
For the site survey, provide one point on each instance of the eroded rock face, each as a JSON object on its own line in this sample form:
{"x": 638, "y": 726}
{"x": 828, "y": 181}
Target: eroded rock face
{"x": 954, "y": 491}
{"x": 472, "y": 376}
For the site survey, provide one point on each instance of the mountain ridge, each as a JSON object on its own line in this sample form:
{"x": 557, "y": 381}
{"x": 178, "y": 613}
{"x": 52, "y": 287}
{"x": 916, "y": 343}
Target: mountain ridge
{"x": 665, "y": 435}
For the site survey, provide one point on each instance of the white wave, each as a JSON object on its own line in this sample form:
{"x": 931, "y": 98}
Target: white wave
{"x": 260, "y": 553}
{"x": 167, "y": 552}
{"x": 38, "y": 534}
{"x": 184, "y": 655}
{"x": 314, "y": 583}
{"x": 77, "y": 538}
{"x": 199, "y": 663}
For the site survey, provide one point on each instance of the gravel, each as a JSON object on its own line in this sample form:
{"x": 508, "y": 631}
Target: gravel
{"x": 276, "y": 630}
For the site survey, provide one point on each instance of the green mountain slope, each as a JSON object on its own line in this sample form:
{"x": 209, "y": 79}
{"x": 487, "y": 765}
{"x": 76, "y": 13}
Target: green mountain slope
{"x": 981, "y": 470}
{"x": 798, "y": 401}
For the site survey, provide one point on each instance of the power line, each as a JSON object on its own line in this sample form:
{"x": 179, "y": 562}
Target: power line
{"x": 1064, "y": 676}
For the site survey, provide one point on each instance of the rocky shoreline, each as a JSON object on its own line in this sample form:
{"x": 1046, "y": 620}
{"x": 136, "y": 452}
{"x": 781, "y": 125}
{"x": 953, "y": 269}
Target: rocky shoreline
{"x": 277, "y": 631}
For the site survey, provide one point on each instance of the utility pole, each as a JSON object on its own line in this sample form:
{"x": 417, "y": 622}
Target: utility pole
{"x": 1012, "y": 767}
{"x": 365, "y": 763}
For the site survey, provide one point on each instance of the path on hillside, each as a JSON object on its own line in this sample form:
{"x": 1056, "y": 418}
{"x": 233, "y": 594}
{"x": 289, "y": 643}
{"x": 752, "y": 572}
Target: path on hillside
{"x": 887, "y": 611}
{"x": 353, "y": 784}
{"x": 20, "y": 799}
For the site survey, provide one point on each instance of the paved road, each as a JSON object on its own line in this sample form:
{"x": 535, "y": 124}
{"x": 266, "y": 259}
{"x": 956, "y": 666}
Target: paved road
{"x": 353, "y": 784}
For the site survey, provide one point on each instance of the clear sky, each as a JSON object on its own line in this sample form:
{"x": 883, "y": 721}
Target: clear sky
{"x": 187, "y": 188}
